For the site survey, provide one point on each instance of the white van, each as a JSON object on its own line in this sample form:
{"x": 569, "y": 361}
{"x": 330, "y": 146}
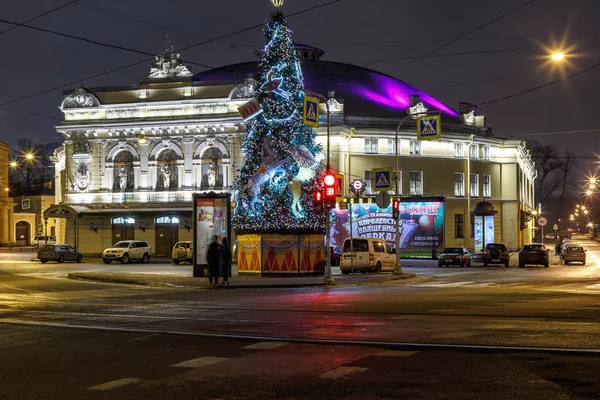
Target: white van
{"x": 369, "y": 254}
{"x": 42, "y": 240}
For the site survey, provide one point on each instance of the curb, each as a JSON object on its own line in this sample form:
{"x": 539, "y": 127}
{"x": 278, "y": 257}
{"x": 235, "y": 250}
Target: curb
{"x": 141, "y": 282}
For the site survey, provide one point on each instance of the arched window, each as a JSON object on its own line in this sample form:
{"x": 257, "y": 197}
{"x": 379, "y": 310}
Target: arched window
{"x": 123, "y": 171}
{"x": 167, "y": 220}
{"x": 212, "y": 168}
{"x": 167, "y": 170}
{"x": 123, "y": 220}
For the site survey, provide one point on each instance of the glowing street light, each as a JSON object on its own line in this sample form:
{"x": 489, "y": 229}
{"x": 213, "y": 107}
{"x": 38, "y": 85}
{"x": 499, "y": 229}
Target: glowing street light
{"x": 589, "y": 192}
{"x": 557, "y": 56}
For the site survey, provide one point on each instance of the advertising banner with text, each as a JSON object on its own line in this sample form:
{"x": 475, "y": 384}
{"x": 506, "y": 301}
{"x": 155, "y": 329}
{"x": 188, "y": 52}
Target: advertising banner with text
{"x": 421, "y": 223}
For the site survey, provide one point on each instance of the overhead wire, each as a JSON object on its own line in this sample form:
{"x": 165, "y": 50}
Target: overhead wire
{"x": 533, "y": 89}
{"x": 145, "y": 22}
{"x": 149, "y": 59}
{"x": 38, "y": 16}
{"x": 456, "y": 39}
{"x": 465, "y": 53}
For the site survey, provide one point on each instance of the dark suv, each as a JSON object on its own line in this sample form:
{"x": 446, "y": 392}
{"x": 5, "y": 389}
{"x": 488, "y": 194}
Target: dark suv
{"x": 533, "y": 253}
{"x": 496, "y": 253}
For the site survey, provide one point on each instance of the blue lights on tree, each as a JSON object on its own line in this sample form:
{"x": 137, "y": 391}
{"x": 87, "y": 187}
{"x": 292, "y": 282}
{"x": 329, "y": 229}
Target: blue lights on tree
{"x": 274, "y": 190}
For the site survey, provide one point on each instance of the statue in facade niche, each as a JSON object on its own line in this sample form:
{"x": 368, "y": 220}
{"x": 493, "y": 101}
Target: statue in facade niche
{"x": 166, "y": 174}
{"x": 212, "y": 176}
{"x": 123, "y": 179}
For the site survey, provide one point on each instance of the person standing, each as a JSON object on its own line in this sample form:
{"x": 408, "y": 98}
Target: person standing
{"x": 225, "y": 260}
{"x": 212, "y": 258}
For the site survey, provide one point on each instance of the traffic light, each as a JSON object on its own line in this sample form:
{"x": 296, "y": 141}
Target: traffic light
{"x": 329, "y": 190}
{"x": 396, "y": 208}
{"x": 318, "y": 201}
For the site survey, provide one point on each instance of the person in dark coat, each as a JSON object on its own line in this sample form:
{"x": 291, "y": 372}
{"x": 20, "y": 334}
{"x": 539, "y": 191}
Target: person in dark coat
{"x": 212, "y": 258}
{"x": 225, "y": 260}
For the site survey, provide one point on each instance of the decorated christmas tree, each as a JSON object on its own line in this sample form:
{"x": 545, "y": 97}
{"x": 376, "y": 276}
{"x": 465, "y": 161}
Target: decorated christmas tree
{"x": 282, "y": 169}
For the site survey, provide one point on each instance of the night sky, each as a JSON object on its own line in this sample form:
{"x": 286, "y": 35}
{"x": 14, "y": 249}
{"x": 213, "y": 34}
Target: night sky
{"x": 504, "y": 57}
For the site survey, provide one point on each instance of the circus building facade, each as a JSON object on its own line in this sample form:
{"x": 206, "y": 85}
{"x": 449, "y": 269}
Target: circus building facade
{"x": 133, "y": 157}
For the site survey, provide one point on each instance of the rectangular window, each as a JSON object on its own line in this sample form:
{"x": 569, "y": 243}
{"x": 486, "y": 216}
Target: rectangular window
{"x": 416, "y": 183}
{"x": 391, "y": 146}
{"x": 474, "y": 185}
{"x": 368, "y": 189}
{"x": 474, "y": 152}
{"x": 459, "y": 226}
{"x": 371, "y": 146}
{"x": 458, "y": 150}
{"x": 459, "y": 184}
{"x": 486, "y": 153}
{"x": 415, "y": 146}
{"x": 487, "y": 186}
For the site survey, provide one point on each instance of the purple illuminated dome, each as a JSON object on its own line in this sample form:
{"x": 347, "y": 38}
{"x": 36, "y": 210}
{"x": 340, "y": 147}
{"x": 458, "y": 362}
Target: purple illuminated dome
{"x": 365, "y": 93}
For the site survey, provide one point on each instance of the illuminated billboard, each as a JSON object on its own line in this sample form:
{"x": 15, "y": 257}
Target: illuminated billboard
{"x": 421, "y": 223}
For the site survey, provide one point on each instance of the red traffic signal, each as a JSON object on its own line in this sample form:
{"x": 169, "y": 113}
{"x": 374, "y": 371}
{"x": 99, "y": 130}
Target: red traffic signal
{"x": 396, "y": 208}
{"x": 329, "y": 190}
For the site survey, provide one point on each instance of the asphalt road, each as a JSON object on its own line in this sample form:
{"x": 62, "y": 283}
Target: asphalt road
{"x": 448, "y": 333}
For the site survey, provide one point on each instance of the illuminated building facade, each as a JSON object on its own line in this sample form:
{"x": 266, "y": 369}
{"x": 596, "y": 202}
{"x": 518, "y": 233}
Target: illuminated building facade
{"x": 133, "y": 156}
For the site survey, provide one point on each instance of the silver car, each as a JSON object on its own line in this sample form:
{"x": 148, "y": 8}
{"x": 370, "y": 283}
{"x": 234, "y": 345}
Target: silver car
{"x": 573, "y": 253}
{"x": 454, "y": 256}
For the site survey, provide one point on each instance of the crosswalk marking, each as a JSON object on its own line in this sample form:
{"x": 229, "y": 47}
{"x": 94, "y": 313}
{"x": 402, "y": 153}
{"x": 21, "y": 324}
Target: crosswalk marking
{"x": 340, "y": 372}
{"x": 115, "y": 384}
{"x": 265, "y": 345}
{"x": 200, "y": 362}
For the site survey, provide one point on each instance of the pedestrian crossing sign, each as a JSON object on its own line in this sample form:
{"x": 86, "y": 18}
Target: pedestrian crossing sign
{"x": 383, "y": 179}
{"x": 428, "y": 127}
{"x": 311, "y": 111}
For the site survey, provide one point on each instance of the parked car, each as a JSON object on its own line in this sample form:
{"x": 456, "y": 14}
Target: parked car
{"x": 496, "y": 253}
{"x": 335, "y": 255}
{"x": 42, "y": 240}
{"x": 369, "y": 254}
{"x": 183, "y": 251}
{"x": 58, "y": 252}
{"x": 127, "y": 250}
{"x": 533, "y": 253}
{"x": 573, "y": 253}
{"x": 454, "y": 256}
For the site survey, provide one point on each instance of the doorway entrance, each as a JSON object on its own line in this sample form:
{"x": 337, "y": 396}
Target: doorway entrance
{"x": 123, "y": 229}
{"x": 22, "y": 233}
{"x": 167, "y": 234}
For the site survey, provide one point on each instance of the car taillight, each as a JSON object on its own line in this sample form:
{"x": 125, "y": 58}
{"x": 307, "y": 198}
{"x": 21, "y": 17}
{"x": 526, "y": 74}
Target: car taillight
{"x": 371, "y": 257}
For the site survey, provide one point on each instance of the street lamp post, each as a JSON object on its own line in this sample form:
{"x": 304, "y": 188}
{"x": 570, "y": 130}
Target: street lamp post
{"x": 328, "y": 275}
{"x": 397, "y": 266}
